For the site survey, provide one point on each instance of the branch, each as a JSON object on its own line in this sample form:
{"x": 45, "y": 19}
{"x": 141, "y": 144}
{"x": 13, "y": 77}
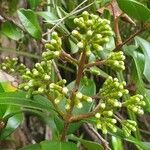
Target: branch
{"x": 68, "y": 57}
{"x": 12, "y": 21}
{"x": 64, "y": 133}
{"x": 98, "y": 136}
{"x": 80, "y": 70}
{"x": 56, "y": 70}
{"x": 129, "y": 39}
{"x": 97, "y": 63}
{"x": 84, "y": 116}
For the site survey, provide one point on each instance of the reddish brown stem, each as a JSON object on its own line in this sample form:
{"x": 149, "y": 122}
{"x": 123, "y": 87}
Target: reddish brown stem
{"x": 98, "y": 63}
{"x": 63, "y": 136}
{"x": 129, "y": 39}
{"x": 80, "y": 70}
{"x": 68, "y": 58}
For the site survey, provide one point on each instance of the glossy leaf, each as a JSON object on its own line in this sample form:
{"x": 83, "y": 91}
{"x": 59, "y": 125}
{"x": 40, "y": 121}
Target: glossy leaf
{"x": 89, "y": 145}
{"x": 48, "y": 16}
{"x": 117, "y": 143}
{"x": 29, "y": 20}
{"x": 54, "y": 145}
{"x": 137, "y": 72}
{"x": 19, "y": 99}
{"x": 145, "y": 46}
{"x": 11, "y": 31}
{"x": 142, "y": 145}
{"x": 88, "y": 88}
{"x": 13, "y": 122}
{"x": 134, "y": 9}
{"x": 46, "y": 145}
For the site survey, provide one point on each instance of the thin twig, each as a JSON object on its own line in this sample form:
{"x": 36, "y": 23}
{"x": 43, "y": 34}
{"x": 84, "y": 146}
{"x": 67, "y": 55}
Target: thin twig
{"x": 129, "y": 39}
{"x": 103, "y": 141}
{"x": 68, "y": 57}
{"x": 12, "y": 21}
{"x": 97, "y": 63}
{"x": 22, "y": 53}
{"x": 73, "y": 12}
{"x": 56, "y": 70}
{"x": 84, "y": 116}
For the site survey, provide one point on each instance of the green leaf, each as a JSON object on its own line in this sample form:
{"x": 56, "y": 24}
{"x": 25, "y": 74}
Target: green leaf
{"x": 135, "y": 9}
{"x": 88, "y": 88}
{"x": 12, "y": 31}
{"x": 50, "y": 17}
{"x": 145, "y": 46}
{"x": 13, "y": 122}
{"x": 19, "y": 99}
{"x": 33, "y": 3}
{"x": 54, "y": 145}
{"x": 29, "y": 20}
{"x": 137, "y": 71}
{"x": 89, "y": 145}
{"x": 117, "y": 143}
{"x": 46, "y": 145}
{"x": 142, "y": 145}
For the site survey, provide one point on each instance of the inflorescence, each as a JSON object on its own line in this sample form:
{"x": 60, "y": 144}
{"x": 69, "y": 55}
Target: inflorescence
{"x": 92, "y": 33}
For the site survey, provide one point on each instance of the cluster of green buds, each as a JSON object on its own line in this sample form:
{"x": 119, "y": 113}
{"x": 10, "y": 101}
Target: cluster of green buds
{"x": 128, "y": 126}
{"x": 115, "y": 60}
{"x": 110, "y": 94}
{"x": 105, "y": 120}
{"x": 92, "y": 32}
{"x": 79, "y": 99}
{"x": 37, "y": 80}
{"x": 94, "y": 70}
{"x": 112, "y": 90}
{"x": 11, "y": 65}
{"x": 59, "y": 90}
{"x": 53, "y": 48}
{"x": 135, "y": 104}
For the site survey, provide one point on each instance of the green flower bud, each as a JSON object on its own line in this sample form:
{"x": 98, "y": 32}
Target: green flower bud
{"x": 57, "y": 100}
{"x": 80, "y": 45}
{"x": 53, "y": 42}
{"x": 99, "y": 126}
{"x": 65, "y": 90}
{"x": 26, "y": 87}
{"x": 46, "y": 77}
{"x": 49, "y": 46}
{"x": 67, "y": 106}
{"x": 54, "y": 35}
{"x": 79, "y": 105}
{"x": 102, "y": 105}
{"x": 97, "y": 115}
{"x": 104, "y": 130}
{"x": 89, "y": 33}
{"x": 85, "y": 15}
{"x": 89, "y": 22}
{"x": 97, "y": 47}
{"x": 35, "y": 72}
{"x": 40, "y": 89}
{"x": 79, "y": 95}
